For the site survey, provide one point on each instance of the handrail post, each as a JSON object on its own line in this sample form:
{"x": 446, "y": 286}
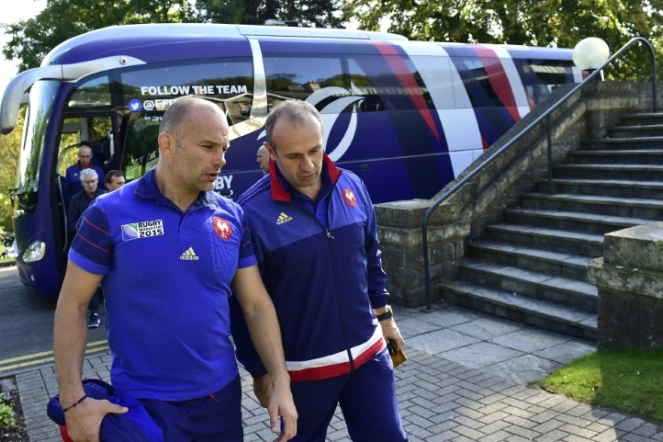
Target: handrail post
{"x": 653, "y": 76}
{"x": 550, "y": 169}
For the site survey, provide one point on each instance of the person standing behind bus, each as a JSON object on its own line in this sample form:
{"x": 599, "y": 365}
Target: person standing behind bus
{"x": 72, "y": 182}
{"x": 115, "y": 180}
{"x": 168, "y": 250}
{"x": 262, "y": 158}
{"x": 314, "y": 231}
{"x": 79, "y": 204}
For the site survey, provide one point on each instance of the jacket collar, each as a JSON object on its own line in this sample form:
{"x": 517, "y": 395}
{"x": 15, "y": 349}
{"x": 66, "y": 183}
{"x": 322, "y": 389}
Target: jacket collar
{"x": 280, "y": 187}
{"x": 91, "y": 166}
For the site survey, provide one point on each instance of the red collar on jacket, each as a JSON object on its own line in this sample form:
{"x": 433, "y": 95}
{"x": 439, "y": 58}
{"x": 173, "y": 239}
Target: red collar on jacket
{"x": 279, "y": 193}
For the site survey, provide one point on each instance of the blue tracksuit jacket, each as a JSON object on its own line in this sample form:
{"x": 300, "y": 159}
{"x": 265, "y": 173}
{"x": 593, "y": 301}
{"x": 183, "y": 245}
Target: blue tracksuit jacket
{"x": 321, "y": 265}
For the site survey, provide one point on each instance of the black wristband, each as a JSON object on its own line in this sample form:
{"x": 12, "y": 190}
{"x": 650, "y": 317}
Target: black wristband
{"x": 64, "y": 410}
{"x": 386, "y": 315}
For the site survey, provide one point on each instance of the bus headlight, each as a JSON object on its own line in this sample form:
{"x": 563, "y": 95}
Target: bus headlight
{"x": 34, "y": 252}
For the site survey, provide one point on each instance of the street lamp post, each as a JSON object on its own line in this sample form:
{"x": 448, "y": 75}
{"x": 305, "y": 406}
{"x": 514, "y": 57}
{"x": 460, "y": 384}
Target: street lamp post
{"x": 590, "y": 53}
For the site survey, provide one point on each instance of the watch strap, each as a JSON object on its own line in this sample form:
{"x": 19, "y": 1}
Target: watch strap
{"x": 386, "y": 315}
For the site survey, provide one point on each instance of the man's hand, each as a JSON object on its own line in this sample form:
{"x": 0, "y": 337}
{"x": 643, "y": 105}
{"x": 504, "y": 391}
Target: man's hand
{"x": 391, "y": 331}
{"x": 84, "y": 420}
{"x": 262, "y": 387}
{"x": 281, "y": 405}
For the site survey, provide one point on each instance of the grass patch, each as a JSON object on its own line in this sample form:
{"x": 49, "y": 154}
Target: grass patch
{"x": 4, "y": 260}
{"x": 626, "y": 380}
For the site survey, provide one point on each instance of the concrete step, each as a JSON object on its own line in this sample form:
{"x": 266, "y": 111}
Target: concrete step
{"x": 631, "y": 156}
{"x": 634, "y": 172}
{"x": 651, "y": 209}
{"x": 522, "y": 309}
{"x": 566, "y": 265}
{"x": 547, "y": 239}
{"x": 643, "y": 119}
{"x": 570, "y": 292}
{"x": 614, "y": 188}
{"x": 592, "y": 223}
{"x": 624, "y": 143}
{"x": 649, "y": 130}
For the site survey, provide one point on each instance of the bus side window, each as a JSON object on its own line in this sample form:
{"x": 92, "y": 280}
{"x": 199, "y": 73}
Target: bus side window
{"x": 300, "y": 76}
{"x": 146, "y": 93}
{"x": 540, "y": 77}
{"x": 477, "y": 82}
{"x": 92, "y": 93}
{"x": 373, "y": 78}
{"x": 361, "y": 84}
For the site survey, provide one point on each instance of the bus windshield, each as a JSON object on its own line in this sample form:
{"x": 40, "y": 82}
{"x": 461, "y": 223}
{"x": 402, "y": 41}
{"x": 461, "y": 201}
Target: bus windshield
{"x": 42, "y": 99}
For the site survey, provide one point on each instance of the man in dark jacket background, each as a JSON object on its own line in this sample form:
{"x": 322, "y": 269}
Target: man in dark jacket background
{"x": 73, "y": 181}
{"x": 314, "y": 231}
{"x": 79, "y": 204}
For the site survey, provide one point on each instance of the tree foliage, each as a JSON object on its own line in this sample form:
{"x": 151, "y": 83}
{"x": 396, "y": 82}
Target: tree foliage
{"x": 10, "y": 146}
{"x": 30, "y": 40}
{"x": 555, "y": 23}
{"x": 308, "y": 13}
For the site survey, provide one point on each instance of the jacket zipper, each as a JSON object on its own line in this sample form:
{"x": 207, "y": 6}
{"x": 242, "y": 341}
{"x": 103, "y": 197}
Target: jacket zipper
{"x": 330, "y": 238}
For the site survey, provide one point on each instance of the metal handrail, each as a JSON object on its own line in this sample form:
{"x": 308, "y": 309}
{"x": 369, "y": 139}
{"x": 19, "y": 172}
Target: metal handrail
{"x": 545, "y": 115}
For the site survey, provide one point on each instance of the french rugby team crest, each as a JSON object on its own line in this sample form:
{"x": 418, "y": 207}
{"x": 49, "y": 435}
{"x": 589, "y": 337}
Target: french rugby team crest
{"x": 349, "y": 197}
{"x": 222, "y": 228}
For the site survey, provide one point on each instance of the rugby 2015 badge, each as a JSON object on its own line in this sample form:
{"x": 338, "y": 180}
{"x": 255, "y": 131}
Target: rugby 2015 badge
{"x": 222, "y": 228}
{"x": 143, "y": 229}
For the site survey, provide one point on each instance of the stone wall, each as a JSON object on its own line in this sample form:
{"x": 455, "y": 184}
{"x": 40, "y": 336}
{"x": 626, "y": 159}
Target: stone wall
{"x": 629, "y": 279}
{"x": 483, "y": 199}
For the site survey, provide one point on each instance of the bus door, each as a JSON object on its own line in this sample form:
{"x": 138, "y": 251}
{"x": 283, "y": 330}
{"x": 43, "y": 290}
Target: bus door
{"x": 98, "y": 130}
{"x": 88, "y": 115}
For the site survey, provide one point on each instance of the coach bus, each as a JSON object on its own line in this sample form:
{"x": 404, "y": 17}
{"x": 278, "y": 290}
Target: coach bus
{"x": 406, "y": 116}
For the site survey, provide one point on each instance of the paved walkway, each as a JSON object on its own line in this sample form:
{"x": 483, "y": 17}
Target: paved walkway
{"x": 466, "y": 380}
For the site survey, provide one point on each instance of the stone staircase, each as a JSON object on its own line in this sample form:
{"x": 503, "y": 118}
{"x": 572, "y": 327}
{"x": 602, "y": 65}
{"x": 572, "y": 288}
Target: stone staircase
{"x": 532, "y": 268}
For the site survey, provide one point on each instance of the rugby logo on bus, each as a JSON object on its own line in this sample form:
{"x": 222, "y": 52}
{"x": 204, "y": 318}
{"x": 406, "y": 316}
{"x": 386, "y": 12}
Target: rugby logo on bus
{"x": 330, "y": 114}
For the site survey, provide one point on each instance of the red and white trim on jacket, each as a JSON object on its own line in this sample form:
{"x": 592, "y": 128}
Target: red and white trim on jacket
{"x": 337, "y": 364}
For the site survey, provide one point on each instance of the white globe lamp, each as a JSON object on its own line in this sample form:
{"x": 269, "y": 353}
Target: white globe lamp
{"x": 590, "y": 53}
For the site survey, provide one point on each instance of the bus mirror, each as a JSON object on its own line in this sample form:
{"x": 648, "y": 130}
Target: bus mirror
{"x": 18, "y": 86}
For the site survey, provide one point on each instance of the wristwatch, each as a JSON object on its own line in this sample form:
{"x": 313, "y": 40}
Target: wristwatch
{"x": 386, "y": 315}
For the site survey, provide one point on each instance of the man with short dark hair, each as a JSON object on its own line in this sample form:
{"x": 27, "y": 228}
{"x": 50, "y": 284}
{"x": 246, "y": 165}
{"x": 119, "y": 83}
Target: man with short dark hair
{"x": 167, "y": 250}
{"x": 313, "y": 227}
{"x": 115, "y": 180}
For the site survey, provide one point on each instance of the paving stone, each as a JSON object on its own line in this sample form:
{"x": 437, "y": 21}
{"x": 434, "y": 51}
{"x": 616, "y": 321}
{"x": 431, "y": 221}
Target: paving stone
{"x": 646, "y": 430}
{"x": 629, "y": 425}
{"x": 567, "y": 352}
{"x": 481, "y": 354}
{"x": 450, "y": 317}
{"x": 578, "y": 431}
{"x": 609, "y": 435}
{"x": 487, "y": 328}
{"x": 553, "y": 436}
{"x": 466, "y": 380}
{"x": 529, "y": 339}
{"x": 632, "y": 437}
{"x": 441, "y": 341}
{"x": 412, "y": 327}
